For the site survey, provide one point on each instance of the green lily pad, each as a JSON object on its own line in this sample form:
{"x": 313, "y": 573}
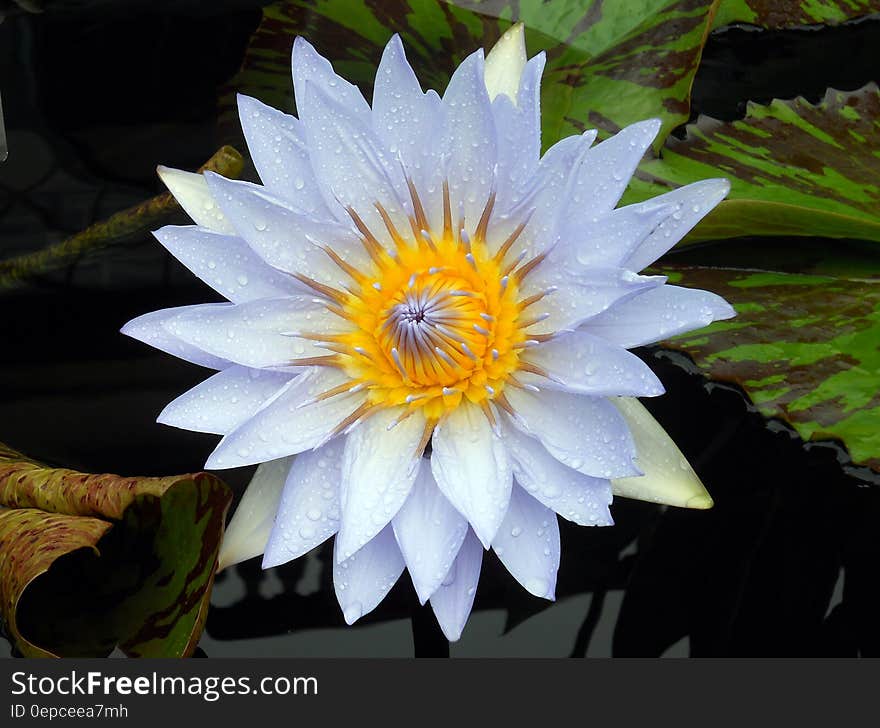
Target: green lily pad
{"x": 795, "y": 168}
{"x": 608, "y": 63}
{"x": 775, "y": 14}
{"x": 804, "y": 347}
{"x": 89, "y": 562}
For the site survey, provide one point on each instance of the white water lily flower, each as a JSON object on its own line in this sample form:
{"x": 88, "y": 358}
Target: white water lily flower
{"x": 415, "y": 272}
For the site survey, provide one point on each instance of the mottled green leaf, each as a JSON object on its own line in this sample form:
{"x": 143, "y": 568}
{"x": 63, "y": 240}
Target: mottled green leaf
{"x": 775, "y": 14}
{"x": 608, "y": 63}
{"x": 89, "y": 562}
{"x": 806, "y": 349}
{"x": 795, "y": 168}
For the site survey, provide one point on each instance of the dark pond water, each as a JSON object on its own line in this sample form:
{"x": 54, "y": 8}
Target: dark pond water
{"x": 95, "y": 94}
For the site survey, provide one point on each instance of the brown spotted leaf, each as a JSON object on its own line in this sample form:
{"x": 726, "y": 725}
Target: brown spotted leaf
{"x": 806, "y": 349}
{"x": 608, "y": 64}
{"x": 89, "y": 562}
{"x": 795, "y": 168}
{"x": 776, "y": 14}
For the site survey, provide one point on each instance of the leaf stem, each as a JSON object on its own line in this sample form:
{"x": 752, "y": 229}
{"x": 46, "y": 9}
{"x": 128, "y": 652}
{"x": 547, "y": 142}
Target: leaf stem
{"x": 148, "y": 214}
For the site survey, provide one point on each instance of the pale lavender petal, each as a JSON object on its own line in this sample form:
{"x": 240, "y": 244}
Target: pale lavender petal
{"x": 224, "y": 401}
{"x": 403, "y": 118}
{"x": 528, "y": 544}
{"x": 286, "y": 239}
{"x": 309, "y": 66}
{"x": 454, "y": 598}
{"x": 379, "y": 467}
{"x": 540, "y": 199}
{"x": 429, "y": 532}
{"x": 363, "y": 580}
{"x": 580, "y": 362}
{"x": 577, "y": 293}
{"x": 308, "y": 513}
{"x": 290, "y": 423}
{"x": 472, "y": 468}
{"x": 150, "y": 328}
{"x": 693, "y": 203}
{"x": 225, "y": 262}
{"x": 585, "y": 433}
{"x": 576, "y": 497}
{"x": 519, "y": 133}
{"x": 352, "y": 165}
{"x": 258, "y": 333}
{"x": 469, "y": 137}
{"x": 658, "y": 314}
{"x": 608, "y": 239}
{"x": 277, "y": 145}
{"x": 605, "y": 170}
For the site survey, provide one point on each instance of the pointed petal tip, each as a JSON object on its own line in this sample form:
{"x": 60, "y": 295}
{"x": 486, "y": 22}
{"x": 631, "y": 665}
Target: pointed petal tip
{"x": 300, "y": 44}
{"x": 215, "y": 462}
{"x": 505, "y": 62}
{"x": 272, "y": 559}
{"x": 727, "y": 314}
{"x": 702, "y": 501}
{"x": 352, "y": 613}
{"x": 345, "y": 546}
{"x": 451, "y": 635}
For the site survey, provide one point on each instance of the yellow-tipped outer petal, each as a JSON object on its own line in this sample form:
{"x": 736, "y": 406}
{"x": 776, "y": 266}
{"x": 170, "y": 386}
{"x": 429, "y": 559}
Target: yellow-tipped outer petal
{"x": 668, "y": 477}
{"x": 248, "y": 531}
{"x": 191, "y": 190}
{"x": 505, "y": 63}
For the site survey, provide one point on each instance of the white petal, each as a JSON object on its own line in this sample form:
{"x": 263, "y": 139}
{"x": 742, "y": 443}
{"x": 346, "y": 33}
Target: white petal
{"x": 277, "y": 145}
{"x": 505, "y": 63}
{"x": 573, "y": 495}
{"x": 668, "y": 477}
{"x": 693, "y": 203}
{"x": 252, "y": 334}
{"x": 454, "y": 599}
{"x": 658, "y": 314}
{"x": 403, "y": 118}
{"x": 378, "y": 469}
{"x": 308, "y": 513}
{"x": 540, "y": 198}
{"x": 583, "y": 363}
{"x": 518, "y": 127}
{"x": 363, "y": 580}
{"x": 578, "y": 293}
{"x": 150, "y": 328}
{"x": 585, "y": 433}
{"x": 286, "y": 239}
{"x": 429, "y": 532}
{"x": 191, "y": 190}
{"x": 528, "y": 544}
{"x": 224, "y": 262}
{"x": 248, "y": 531}
{"x": 605, "y": 170}
{"x": 225, "y": 400}
{"x": 310, "y": 66}
{"x": 352, "y": 165}
{"x": 469, "y": 137}
{"x": 290, "y": 423}
{"x": 608, "y": 239}
{"x": 472, "y": 469}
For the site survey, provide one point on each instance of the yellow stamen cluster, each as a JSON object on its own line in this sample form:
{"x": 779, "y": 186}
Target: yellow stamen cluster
{"x": 437, "y": 318}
